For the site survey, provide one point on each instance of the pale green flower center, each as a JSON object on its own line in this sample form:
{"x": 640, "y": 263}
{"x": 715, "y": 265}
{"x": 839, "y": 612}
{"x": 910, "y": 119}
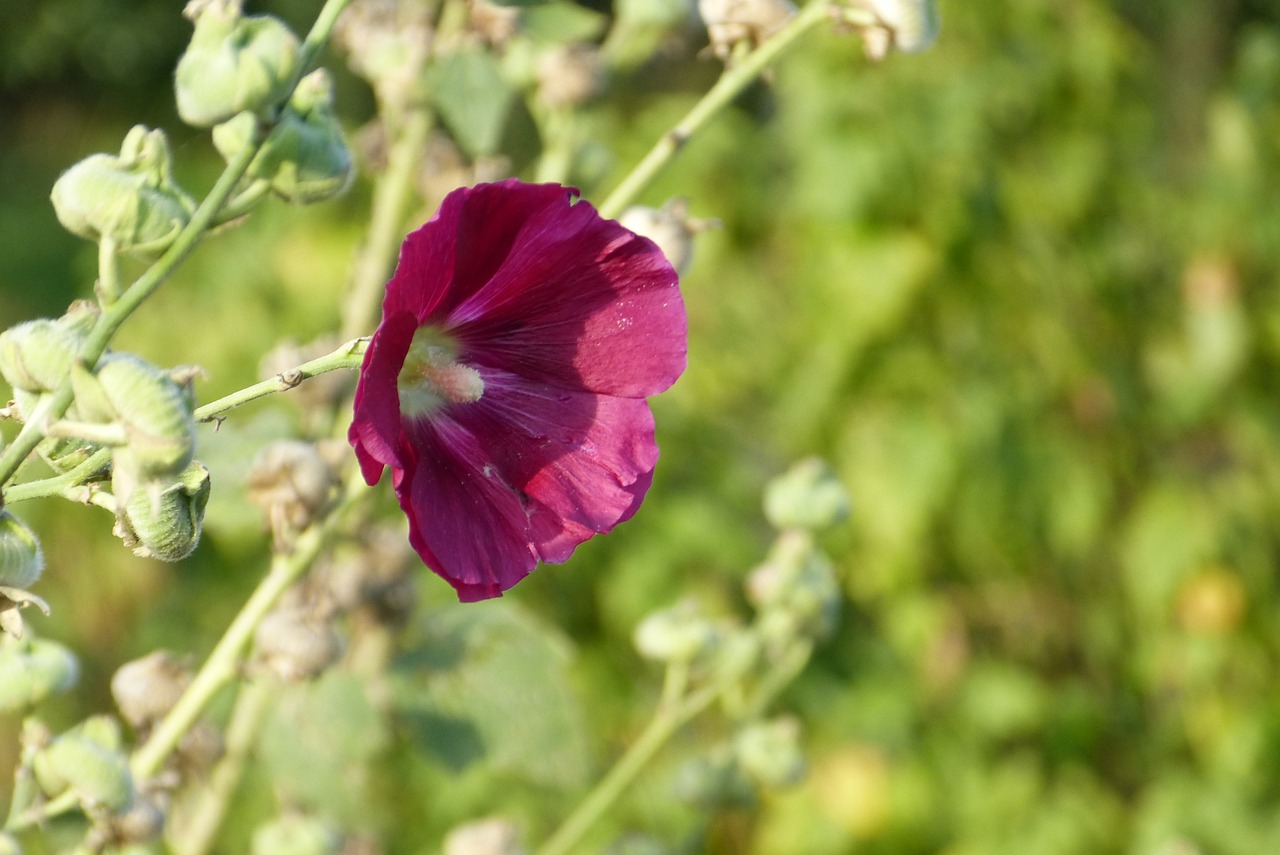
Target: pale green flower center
{"x": 432, "y": 376}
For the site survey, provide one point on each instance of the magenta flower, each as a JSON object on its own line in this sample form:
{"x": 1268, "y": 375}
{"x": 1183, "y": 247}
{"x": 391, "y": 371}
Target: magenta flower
{"x": 505, "y": 387}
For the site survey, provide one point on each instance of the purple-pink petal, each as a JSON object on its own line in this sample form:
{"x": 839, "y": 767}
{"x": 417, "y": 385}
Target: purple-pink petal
{"x": 571, "y": 320}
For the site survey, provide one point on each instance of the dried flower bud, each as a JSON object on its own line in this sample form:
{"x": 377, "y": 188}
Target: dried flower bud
{"x": 131, "y": 199}
{"x": 32, "y": 670}
{"x": 21, "y": 559}
{"x": 201, "y": 746}
{"x": 569, "y": 76}
{"x": 908, "y": 26}
{"x": 142, "y": 823}
{"x": 146, "y": 689}
{"x": 293, "y": 485}
{"x": 377, "y": 579}
{"x": 493, "y": 836}
{"x": 807, "y": 496}
{"x": 161, "y": 519}
{"x": 670, "y": 227}
{"x": 733, "y": 22}
{"x": 769, "y": 752}
{"x": 678, "y": 634}
{"x": 294, "y": 645}
{"x": 295, "y": 834}
{"x": 233, "y": 64}
{"x": 305, "y": 158}
{"x": 81, "y": 761}
{"x": 387, "y": 43}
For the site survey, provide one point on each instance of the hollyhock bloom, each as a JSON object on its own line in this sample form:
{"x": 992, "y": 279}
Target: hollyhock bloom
{"x": 505, "y": 387}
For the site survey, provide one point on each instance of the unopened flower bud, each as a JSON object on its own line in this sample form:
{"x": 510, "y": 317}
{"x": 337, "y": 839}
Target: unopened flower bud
{"x": 155, "y": 411}
{"x": 32, "y": 670}
{"x": 162, "y": 519}
{"x": 131, "y": 199}
{"x": 769, "y": 752}
{"x": 305, "y": 158}
{"x": 233, "y": 64}
{"x": 795, "y": 590}
{"x": 293, "y": 485}
{"x": 97, "y": 773}
{"x": 9, "y": 845}
{"x": 295, "y": 834}
{"x": 909, "y": 26}
{"x": 146, "y": 689}
{"x": 294, "y": 645}
{"x": 807, "y": 496}
{"x": 569, "y": 76}
{"x": 492, "y": 836}
{"x": 678, "y": 634}
{"x": 733, "y": 22}
{"x": 36, "y": 356}
{"x": 21, "y": 559}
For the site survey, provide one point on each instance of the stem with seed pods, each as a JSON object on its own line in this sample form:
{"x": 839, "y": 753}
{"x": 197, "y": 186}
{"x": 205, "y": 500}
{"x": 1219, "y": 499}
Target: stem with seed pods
{"x": 119, "y": 308}
{"x": 734, "y": 80}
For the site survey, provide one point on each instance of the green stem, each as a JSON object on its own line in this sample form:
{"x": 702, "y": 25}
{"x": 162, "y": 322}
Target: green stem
{"x": 108, "y": 271}
{"x": 348, "y": 355}
{"x": 392, "y": 198}
{"x": 224, "y": 662}
{"x": 198, "y": 832}
{"x": 667, "y": 719}
{"x": 731, "y": 83}
{"x": 59, "y": 484}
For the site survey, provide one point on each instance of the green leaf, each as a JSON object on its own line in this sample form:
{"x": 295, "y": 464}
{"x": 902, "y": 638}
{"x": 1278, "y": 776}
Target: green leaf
{"x": 473, "y": 99}
{"x": 488, "y": 683}
{"x": 318, "y": 741}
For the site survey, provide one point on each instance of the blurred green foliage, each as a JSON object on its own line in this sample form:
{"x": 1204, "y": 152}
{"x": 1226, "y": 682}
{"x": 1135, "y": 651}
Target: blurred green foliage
{"x": 1022, "y": 291}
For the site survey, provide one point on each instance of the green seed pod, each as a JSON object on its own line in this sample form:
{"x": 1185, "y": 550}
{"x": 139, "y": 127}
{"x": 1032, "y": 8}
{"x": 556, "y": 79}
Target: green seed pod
{"x": 155, "y": 411}
{"x": 233, "y": 64}
{"x": 305, "y": 158}
{"x": 99, "y": 776}
{"x": 678, "y": 634}
{"x": 294, "y": 834}
{"x": 36, "y": 356}
{"x": 807, "y": 496}
{"x": 769, "y": 752}
{"x": 162, "y": 519}
{"x": 21, "y": 559}
{"x": 32, "y": 670}
{"x": 130, "y": 198}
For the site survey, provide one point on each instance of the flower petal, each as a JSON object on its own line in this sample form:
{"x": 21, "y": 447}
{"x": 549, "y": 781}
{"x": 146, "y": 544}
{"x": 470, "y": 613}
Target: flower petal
{"x": 466, "y": 522}
{"x": 376, "y": 432}
{"x": 584, "y": 461}
{"x": 580, "y": 302}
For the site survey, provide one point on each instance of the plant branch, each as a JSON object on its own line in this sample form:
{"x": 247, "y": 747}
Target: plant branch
{"x": 734, "y": 80}
{"x": 348, "y": 355}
